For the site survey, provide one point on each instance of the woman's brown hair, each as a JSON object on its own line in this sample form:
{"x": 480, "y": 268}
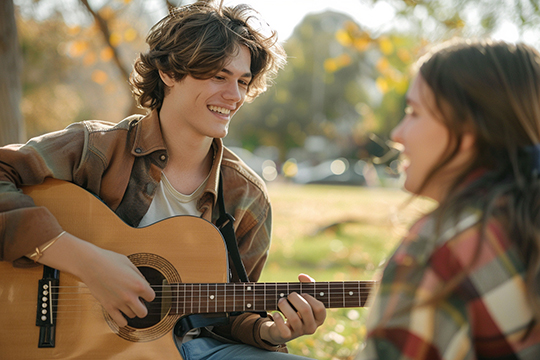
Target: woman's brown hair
{"x": 492, "y": 89}
{"x": 198, "y": 40}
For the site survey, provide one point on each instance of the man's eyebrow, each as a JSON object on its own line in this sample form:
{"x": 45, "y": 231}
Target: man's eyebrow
{"x": 229, "y": 72}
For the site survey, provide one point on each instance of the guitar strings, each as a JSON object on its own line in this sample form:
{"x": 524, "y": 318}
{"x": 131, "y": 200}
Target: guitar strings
{"x": 259, "y": 286}
{"x": 180, "y": 290}
{"x": 191, "y": 309}
{"x": 187, "y": 294}
{"x": 191, "y": 303}
{"x": 80, "y": 307}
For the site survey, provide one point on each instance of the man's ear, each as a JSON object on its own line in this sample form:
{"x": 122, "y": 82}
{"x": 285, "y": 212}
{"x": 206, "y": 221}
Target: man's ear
{"x": 167, "y": 80}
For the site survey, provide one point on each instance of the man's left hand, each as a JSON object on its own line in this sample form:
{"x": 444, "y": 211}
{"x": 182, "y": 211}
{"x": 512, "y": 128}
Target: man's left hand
{"x": 301, "y": 314}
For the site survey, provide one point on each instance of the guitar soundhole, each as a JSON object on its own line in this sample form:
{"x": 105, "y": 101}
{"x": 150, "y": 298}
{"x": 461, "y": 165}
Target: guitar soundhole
{"x": 158, "y": 308}
{"x": 160, "y": 273}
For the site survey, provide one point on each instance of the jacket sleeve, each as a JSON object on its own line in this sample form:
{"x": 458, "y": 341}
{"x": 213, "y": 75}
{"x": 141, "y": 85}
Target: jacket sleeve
{"x": 246, "y": 329}
{"x": 24, "y": 226}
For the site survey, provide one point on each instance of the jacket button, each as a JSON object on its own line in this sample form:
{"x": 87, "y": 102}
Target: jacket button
{"x": 138, "y": 150}
{"x": 150, "y": 188}
{"x": 163, "y": 157}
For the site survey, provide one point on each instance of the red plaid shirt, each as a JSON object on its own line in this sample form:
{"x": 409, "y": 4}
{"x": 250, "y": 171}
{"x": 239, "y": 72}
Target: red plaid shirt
{"x": 486, "y": 316}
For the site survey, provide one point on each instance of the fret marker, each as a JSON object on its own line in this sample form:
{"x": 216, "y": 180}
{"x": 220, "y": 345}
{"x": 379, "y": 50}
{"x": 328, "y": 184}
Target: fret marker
{"x": 249, "y": 288}
{"x": 249, "y": 306}
{"x": 212, "y": 297}
{"x": 322, "y": 293}
{"x": 351, "y": 293}
{"x": 281, "y": 295}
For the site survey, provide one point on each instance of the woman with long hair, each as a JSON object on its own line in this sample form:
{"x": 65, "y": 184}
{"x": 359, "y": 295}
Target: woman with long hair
{"x": 464, "y": 281}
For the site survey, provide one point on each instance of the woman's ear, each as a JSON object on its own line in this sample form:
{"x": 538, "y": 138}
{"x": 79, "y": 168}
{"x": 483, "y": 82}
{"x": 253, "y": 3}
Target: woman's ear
{"x": 468, "y": 141}
{"x": 167, "y": 80}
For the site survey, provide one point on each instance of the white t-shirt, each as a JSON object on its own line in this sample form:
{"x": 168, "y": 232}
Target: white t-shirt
{"x": 169, "y": 202}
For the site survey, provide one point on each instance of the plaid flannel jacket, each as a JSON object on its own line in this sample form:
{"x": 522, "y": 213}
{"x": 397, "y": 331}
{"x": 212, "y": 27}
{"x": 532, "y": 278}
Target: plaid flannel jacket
{"x": 486, "y": 316}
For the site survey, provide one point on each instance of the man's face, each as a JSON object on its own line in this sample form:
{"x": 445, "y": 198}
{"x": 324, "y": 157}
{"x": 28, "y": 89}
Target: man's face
{"x": 205, "y": 107}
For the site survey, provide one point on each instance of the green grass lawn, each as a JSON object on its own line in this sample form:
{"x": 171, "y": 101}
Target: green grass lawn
{"x": 335, "y": 233}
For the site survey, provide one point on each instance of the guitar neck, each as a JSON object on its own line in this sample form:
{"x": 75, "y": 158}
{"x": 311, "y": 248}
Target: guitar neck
{"x": 231, "y": 297}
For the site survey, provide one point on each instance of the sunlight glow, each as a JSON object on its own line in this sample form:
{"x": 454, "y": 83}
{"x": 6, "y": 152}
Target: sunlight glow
{"x": 339, "y": 166}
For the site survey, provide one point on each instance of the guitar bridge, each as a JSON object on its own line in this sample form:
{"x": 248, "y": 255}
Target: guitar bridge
{"x": 47, "y": 300}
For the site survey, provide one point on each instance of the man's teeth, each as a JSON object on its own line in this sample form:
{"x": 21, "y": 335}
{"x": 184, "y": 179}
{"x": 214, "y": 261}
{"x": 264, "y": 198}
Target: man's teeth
{"x": 219, "y": 110}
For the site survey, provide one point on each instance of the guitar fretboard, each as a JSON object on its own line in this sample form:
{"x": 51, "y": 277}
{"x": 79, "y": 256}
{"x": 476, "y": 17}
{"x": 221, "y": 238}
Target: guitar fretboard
{"x": 231, "y": 297}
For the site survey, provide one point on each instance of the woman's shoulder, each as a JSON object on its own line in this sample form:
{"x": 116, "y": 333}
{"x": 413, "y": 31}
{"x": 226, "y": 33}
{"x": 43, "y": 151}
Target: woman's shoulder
{"x": 431, "y": 232}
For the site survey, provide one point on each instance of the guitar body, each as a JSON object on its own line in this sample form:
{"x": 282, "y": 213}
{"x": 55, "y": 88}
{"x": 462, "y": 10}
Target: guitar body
{"x": 182, "y": 249}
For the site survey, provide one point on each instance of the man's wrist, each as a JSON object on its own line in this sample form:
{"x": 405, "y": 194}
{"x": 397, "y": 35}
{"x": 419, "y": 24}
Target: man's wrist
{"x": 265, "y": 333}
{"x": 264, "y": 339}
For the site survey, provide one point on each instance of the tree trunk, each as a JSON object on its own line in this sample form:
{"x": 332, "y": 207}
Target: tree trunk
{"x": 11, "y": 122}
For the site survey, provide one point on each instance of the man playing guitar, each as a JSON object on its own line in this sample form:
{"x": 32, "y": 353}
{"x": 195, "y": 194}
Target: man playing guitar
{"x": 203, "y": 61}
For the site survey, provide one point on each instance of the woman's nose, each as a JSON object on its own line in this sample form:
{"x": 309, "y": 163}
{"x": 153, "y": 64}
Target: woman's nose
{"x": 396, "y": 134}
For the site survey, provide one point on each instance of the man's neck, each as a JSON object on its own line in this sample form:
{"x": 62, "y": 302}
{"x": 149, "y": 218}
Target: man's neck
{"x": 190, "y": 159}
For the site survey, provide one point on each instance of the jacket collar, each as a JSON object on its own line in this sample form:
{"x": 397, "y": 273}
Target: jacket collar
{"x": 148, "y": 137}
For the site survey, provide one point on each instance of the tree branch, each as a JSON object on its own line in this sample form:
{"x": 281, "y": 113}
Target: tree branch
{"x": 103, "y": 26}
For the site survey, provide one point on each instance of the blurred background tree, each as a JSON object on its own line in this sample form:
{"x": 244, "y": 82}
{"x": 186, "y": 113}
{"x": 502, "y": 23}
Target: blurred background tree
{"x": 11, "y": 124}
{"x": 343, "y": 82}
{"x": 77, "y": 59}
{"x": 316, "y": 95}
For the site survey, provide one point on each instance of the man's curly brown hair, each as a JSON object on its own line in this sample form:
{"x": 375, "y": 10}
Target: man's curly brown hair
{"x": 198, "y": 40}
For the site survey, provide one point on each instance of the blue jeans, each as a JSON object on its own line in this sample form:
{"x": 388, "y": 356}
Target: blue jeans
{"x": 211, "y": 349}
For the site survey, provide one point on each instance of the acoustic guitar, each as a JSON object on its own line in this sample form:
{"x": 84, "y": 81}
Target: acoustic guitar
{"x": 45, "y": 314}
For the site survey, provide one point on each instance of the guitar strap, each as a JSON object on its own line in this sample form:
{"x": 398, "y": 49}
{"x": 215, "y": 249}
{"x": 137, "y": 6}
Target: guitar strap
{"x": 225, "y": 225}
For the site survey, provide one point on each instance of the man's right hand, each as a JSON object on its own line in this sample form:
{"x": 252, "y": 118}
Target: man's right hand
{"x": 111, "y": 277}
